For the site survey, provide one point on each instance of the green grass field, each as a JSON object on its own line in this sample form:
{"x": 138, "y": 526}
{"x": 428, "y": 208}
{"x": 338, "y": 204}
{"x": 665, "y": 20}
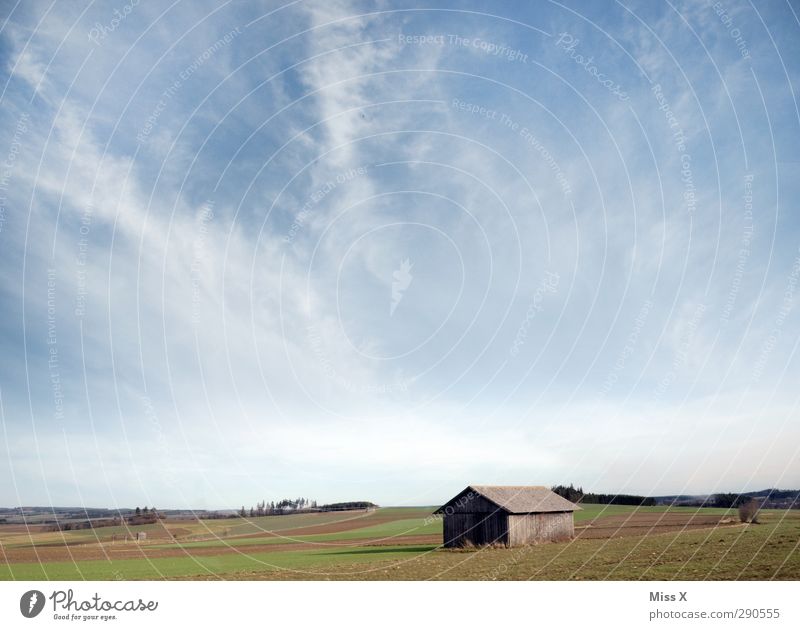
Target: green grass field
{"x": 225, "y": 564}
{"x": 588, "y": 512}
{"x": 386, "y": 531}
{"x": 402, "y": 543}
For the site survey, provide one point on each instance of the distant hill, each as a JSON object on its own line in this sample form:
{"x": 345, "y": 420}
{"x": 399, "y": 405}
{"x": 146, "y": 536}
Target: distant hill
{"x": 769, "y": 498}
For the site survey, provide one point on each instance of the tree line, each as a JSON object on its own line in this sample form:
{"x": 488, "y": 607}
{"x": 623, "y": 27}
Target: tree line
{"x": 145, "y": 512}
{"x": 577, "y": 495}
{"x": 348, "y": 505}
{"x": 262, "y": 508}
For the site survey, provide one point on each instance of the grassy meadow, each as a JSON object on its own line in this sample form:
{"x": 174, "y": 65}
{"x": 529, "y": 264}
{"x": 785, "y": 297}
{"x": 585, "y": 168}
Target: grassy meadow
{"x": 612, "y": 542}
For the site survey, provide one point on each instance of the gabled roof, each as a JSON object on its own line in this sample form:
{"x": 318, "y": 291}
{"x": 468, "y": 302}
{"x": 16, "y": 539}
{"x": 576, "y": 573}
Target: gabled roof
{"x": 519, "y": 499}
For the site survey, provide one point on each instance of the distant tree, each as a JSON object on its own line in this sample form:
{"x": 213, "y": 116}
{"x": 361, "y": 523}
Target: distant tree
{"x": 242, "y": 512}
{"x": 349, "y": 505}
{"x": 577, "y": 495}
{"x": 138, "y": 511}
{"x": 570, "y": 493}
{"x": 748, "y": 511}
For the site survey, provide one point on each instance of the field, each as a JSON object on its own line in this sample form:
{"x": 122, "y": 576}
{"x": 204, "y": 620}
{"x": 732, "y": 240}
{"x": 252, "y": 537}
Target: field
{"x": 612, "y": 542}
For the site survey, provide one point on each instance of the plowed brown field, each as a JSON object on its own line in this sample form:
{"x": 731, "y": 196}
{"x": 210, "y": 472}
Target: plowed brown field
{"x": 648, "y": 524}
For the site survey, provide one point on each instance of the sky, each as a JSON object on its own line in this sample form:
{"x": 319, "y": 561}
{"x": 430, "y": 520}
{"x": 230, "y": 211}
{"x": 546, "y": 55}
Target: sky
{"x": 383, "y": 250}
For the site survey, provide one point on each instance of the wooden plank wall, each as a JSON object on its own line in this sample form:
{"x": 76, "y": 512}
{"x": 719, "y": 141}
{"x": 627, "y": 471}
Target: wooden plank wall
{"x": 526, "y": 529}
{"x": 479, "y": 529}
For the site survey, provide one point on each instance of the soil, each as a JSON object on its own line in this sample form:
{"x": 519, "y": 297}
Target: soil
{"x": 131, "y": 551}
{"x": 645, "y": 524}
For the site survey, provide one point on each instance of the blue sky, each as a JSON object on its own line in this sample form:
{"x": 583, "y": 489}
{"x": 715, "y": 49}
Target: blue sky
{"x": 384, "y": 250}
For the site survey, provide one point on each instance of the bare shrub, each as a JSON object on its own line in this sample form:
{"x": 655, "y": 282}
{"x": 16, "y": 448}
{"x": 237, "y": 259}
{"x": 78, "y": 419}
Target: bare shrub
{"x": 748, "y": 511}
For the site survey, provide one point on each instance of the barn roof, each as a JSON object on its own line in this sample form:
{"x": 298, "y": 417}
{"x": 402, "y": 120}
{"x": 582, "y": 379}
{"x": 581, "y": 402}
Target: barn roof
{"x": 519, "y": 499}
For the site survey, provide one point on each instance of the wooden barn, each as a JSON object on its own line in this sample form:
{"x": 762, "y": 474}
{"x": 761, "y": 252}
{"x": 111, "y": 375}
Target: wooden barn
{"x": 506, "y": 515}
